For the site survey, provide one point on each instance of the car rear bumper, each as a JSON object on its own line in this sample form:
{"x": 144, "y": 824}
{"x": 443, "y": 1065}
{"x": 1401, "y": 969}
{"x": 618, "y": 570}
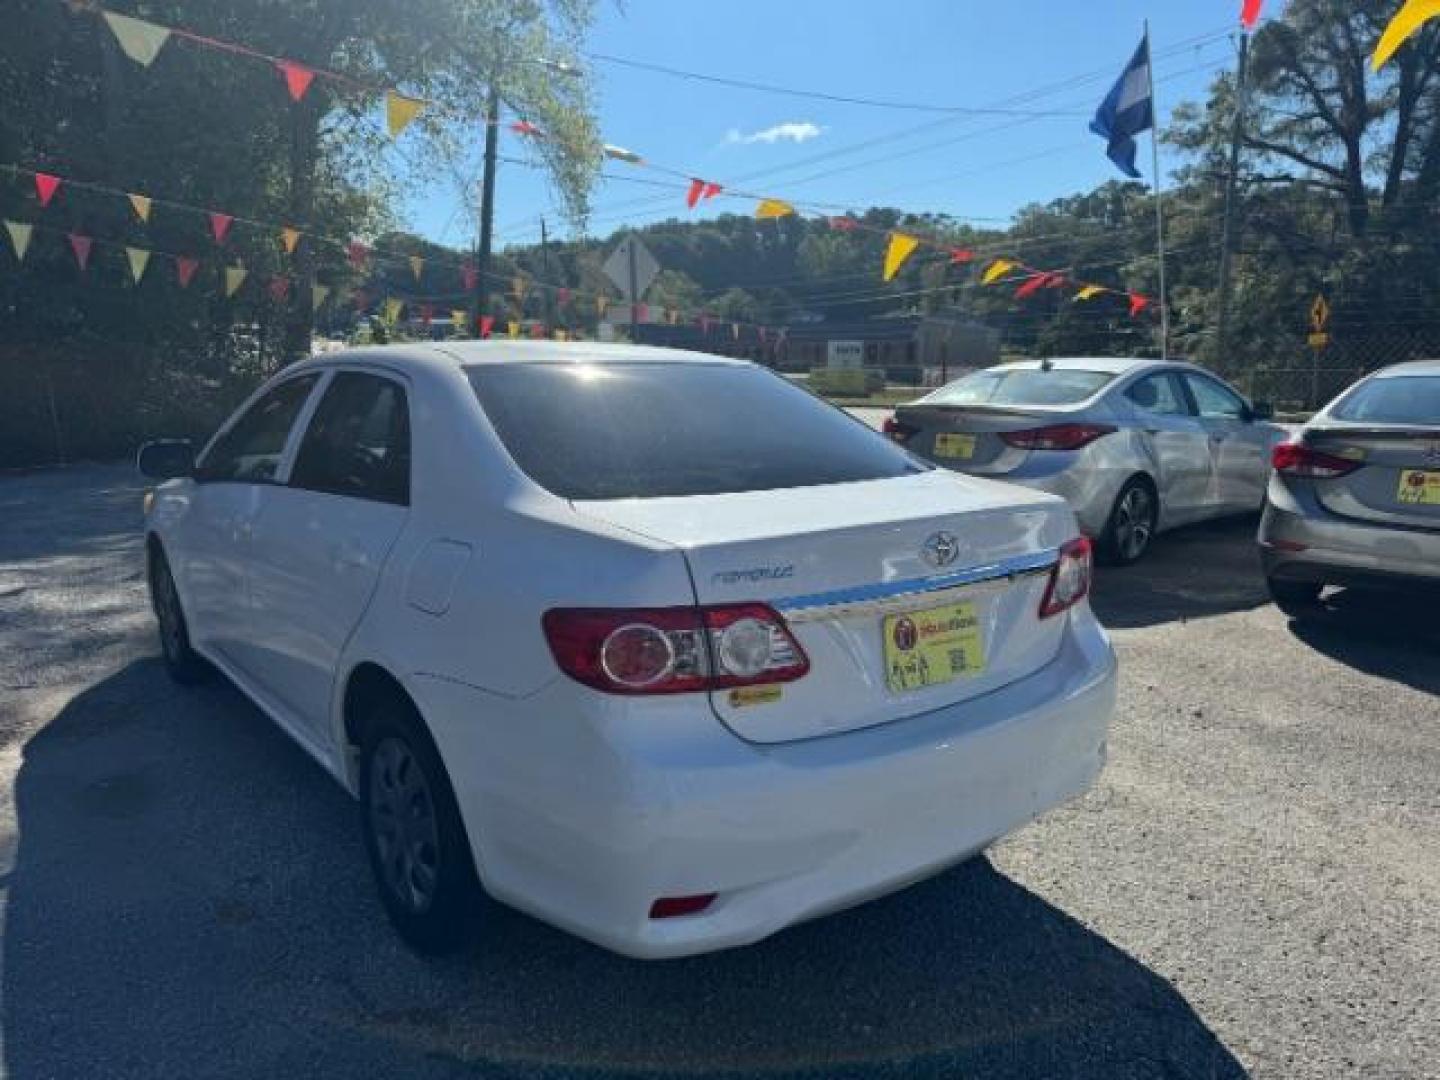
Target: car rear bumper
{"x": 602, "y": 816}
{"x": 1300, "y": 541}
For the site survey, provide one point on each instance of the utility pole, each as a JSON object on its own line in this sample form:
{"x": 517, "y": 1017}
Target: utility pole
{"x": 481, "y": 299}
{"x": 545, "y": 269}
{"x": 1227, "y": 228}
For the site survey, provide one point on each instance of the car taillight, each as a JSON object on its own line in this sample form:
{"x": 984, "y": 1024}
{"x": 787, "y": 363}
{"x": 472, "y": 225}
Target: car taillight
{"x": 1297, "y": 459}
{"x": 898, "y": 429}
{"x": 1069, "y": 578}
{"x": 674, "y": 650}
{"x": 1057, "y": 436}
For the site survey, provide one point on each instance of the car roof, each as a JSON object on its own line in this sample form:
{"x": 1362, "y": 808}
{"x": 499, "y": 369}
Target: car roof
{"x": 475, "y": 353}
{"x": 1110, "y": 365}
{"x": 1411, "y": 367}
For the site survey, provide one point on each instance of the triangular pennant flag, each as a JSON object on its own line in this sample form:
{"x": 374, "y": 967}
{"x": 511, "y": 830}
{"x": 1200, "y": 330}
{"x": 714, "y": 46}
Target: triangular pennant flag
{"x": 357, "y": 253}
{"x": 45, "y": 187}
{"x": 642, "y": 312}
{"x": 399, "y": 111}
{"x": 279, "y": 288}
{"x": 80, "y": 244}
{"x": 901, "y": 247}
{"x": 393, "y": 308}
{"x": 458, "y": 318}
{"x": 469, "y": 276}
{"x": 185, "y": 269}
{"x": 773, "y": 208}
{"x": 289, "y": 237}
{"x": 518, "y": 286}
{"x": 693, "y": 195}
{"x": 297, "y": 78}
{"x": 417, "y": 266}
{"x": 996, "y": 270}
{"x": 318, "y": 295}
{"x": 139, "y": 259}
{"x": 711, "y": 190}
{"x": 1089, "y": 291}
{"x": 1406, "y": 22}
{"x": 601, "y": 303}
{"x": 1055, "y": 280}
{"x": 1138, "y": 304}
{"x": 537, "y": 330}
{"x": 141, "y": 204}
{"x": 20, "y": 237}
{"x": 1031, "y": 285}
{"x": 560, "y": 335}
{"x": 220, "y": 225}
{"x": 960, "y": 256}
{"x": 1250, "y": 13}
{"x": 427, "y": 313}
{"x": 139, "y": 40}
{"x": 525, "y": 127}
{"x": 512, "y": 329}
{"x": 487, "y": 325}
{"x": 234, "y": 278}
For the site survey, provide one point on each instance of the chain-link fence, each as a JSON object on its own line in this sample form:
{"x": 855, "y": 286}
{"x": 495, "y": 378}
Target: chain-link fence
{"x": 1304, "y": 378}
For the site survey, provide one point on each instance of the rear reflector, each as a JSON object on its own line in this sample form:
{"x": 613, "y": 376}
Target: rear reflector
{"x": 1069, "y": 579}
{"x": 1283, "y": 545}
{"x": 1297, "y": 459}
{"x": 1057, "y": 436}
{"x": 670, "y": 907}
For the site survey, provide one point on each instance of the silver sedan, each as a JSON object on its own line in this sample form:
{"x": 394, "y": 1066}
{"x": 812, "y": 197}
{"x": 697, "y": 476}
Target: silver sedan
{"x": 1135, "y": 446}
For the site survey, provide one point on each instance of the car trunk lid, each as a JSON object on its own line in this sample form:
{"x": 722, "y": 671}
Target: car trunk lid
{"x": 1398, "y": 482}
{"x": 846, "y": 565}
{"x": 968, "y": 437}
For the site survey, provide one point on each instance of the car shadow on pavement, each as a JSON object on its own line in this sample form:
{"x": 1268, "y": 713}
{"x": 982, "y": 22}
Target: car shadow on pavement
{"x": 1390, "y": 634}
{"x": 1189, "y": 573}
{"x": 190, "y": 898}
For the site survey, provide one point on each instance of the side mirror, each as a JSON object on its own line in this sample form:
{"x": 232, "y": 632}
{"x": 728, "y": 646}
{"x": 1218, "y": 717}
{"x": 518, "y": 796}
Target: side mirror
{"x": 1262, "y": 410}
{"x": 165, "y": 459}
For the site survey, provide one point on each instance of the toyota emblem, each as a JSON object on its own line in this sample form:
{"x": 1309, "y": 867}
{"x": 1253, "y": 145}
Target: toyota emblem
{"x": 940, "y": 549}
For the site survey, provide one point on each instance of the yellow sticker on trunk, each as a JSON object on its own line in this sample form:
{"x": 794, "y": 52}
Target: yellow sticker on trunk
{"x": 953, "y": 444}
{"x": 754, "y": 695}
{"x": 927, "y": 648}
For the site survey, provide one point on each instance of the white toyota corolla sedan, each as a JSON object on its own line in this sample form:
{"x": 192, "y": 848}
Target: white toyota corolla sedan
{"x": 652, "y": 645}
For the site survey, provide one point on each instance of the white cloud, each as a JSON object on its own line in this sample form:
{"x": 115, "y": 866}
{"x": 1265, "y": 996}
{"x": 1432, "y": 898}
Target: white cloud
{"x": 796, "y": 131}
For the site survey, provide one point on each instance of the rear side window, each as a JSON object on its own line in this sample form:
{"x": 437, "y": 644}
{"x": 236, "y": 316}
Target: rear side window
{"x": 250, "y": 450}
{"x": 1159, "y": 395}
{"x": 1029, "y": 386}
{"x": 358, "y": 442}
{"x": 1399, "y": 399}
{"x": 623, "y": 431}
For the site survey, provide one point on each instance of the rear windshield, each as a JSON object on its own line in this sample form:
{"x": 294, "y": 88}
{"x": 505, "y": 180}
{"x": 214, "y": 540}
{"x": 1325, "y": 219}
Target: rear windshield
{"x": 618, "y": 431}
{"x": 1403, "y": 399}
{"x": 1027, "y": 386}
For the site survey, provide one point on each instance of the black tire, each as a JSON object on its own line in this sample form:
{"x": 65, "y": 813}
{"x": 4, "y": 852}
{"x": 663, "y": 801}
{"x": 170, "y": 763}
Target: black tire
{"x": 1132, "y": 523}
{"x": 420, "y": 857}
{"x": 1297, "y": 599}
{"x": 183, "y": 663}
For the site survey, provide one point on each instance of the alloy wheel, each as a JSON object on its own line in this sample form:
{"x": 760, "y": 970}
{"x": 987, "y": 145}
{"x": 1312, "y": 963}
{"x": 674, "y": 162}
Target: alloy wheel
{"x": 1134, "y": 524}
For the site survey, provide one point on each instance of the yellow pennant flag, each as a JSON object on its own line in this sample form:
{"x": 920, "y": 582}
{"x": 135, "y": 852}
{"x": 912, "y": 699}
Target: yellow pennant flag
{"x": 399, "y": 111}
{"x": 234, "y": 278}
{"x": 139, "y": 40}
{"x": 512, "y": 329}
{"x": 141, "y": 203}
{"x": 1406, "y": 22}
{"x": 417, "y": 266}
{"x": 393, "y": 308}
{"x": 318, "y": 295}
{"x": 459, "y": 317}
{"x": 901, "y": 247}
{"x": 997, "y": 269}
{"x": 601, "y": 303}
{"x": 139, "y": 259}
{"x": 773, "y": 208}
{"x": 561, "y": 335}
{"x": 289, "y": 237}
{"x": 19, "y": 236}
{"x": 1089, "y": 291}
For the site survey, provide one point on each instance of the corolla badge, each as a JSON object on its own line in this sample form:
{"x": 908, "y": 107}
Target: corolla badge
{"x": 940, "y": 549}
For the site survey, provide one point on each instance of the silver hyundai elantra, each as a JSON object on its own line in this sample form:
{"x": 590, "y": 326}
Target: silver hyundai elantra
{"x": 1135, "y": 446}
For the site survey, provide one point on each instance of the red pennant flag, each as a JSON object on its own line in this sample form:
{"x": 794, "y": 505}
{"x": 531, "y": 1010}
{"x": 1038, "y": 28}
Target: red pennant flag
{"x": 711, "y": 190}
{"x": 427, "y": 313}
{"x": 693, "y": 195}
{"x": 80, "y": 244}
{"x": 1250, "y": 13}
{"x": 357, "y": 253}
{"x": 642, "y": 312}
{"x": 279, "y": 288}
{"x": 220, "y": 225}
{"x": 469, "y": 275}
{"x": 46, "y": 186}
{"x": 525, "y": 127}
{"x": 960, "y": 256}
{"x": 185, "y": 269}
{"x": 297, "y": 78}
{"x": 843, "y": 224}
{"x": 537, "y": 330}
{"x": 1055, "y": 280}
{"x": 1034, "y": 283}
{"x": 562, "y": 297}
{"x": 487, "y": 324}
{"x": 1138, "y": 303}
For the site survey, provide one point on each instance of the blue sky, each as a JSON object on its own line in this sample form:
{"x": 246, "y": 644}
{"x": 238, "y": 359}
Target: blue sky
{"x": 1034, "y": 56}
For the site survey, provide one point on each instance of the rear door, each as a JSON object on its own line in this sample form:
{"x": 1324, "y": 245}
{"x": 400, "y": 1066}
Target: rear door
{"x": 1180, "y": 444}
{"x": 321, "y": 540}
{"x": 1239, "y": 447}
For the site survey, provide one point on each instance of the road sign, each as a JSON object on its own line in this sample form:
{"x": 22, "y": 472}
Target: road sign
{"x": 1319, "y": 315}
{"x": 1318, "y": 339}
{"x": 618, "y": 268}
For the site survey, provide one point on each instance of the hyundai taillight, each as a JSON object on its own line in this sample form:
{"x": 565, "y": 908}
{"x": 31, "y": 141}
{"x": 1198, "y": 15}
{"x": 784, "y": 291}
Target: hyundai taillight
{"x": 1297, "y": 459}
{"x": 897, "y": 429}
{"x": 1057, "y": 436}
{"x": 674, "y": 650}
{"x": 1069, "y": 578}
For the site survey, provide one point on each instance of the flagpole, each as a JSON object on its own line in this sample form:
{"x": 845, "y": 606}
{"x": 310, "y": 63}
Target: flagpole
{"x": 1159, "y": 197}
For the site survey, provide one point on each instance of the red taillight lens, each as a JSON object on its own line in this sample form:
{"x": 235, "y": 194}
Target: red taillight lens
{"x": 1069, "y": 579}
{"x": 674, "y": 650}
{"x": 898, "y": 429}
{"x": 1297, "y": 459}
{"x": 670, "y": 907}
{"x": 1057, "y": 436}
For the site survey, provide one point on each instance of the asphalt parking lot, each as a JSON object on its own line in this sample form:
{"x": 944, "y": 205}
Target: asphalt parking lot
{"x": 1253, "y": 887}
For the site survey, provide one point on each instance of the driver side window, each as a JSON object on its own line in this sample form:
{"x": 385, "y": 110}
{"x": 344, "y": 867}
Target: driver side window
{"x": 250, "y": 451}
{"x": 358, "y": 443}
{"x": 1214, "y": 401}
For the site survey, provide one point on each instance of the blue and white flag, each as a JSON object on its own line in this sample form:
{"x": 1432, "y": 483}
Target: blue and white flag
{"x": 1127, "y": 110}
